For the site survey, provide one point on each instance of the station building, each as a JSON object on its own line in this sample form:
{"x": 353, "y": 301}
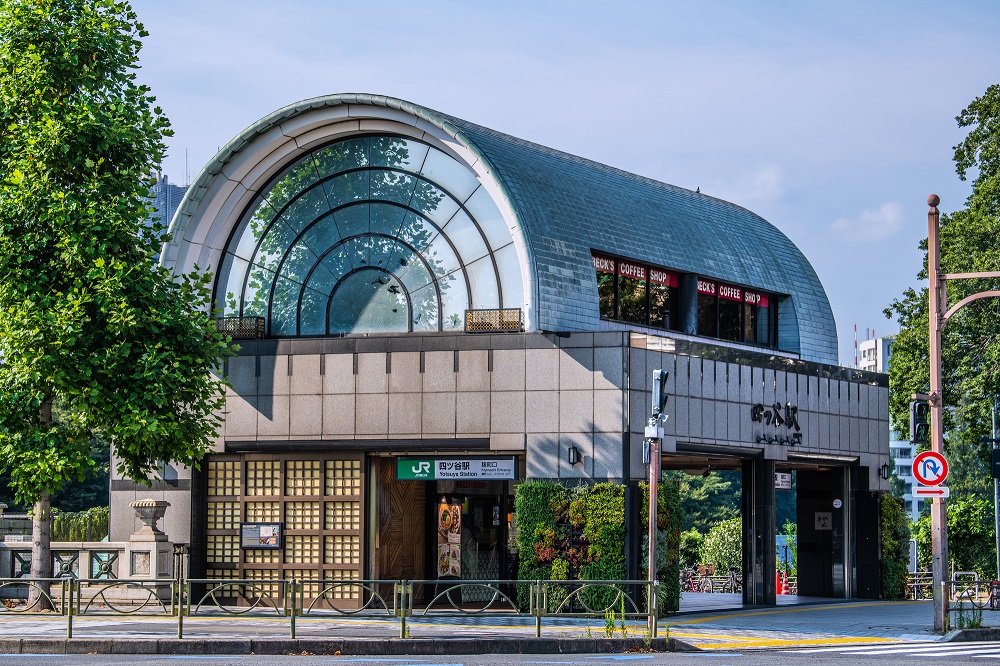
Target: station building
{"x": 430, "y": 311}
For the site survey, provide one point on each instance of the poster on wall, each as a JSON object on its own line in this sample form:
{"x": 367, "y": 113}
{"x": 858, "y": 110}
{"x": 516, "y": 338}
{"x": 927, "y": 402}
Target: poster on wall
{"x": 449, "y": 531}
{"x": 260, "y": 535}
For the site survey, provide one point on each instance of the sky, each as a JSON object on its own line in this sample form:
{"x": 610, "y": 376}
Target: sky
{"x": 832, "y": 120}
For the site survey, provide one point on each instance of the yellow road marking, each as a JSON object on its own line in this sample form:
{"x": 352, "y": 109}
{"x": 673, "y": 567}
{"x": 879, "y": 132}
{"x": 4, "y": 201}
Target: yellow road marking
{"x": 795, "y": 609}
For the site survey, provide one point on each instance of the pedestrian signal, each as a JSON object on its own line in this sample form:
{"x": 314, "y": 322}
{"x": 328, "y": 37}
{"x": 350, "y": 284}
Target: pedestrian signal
{"x": 920, "y": 426}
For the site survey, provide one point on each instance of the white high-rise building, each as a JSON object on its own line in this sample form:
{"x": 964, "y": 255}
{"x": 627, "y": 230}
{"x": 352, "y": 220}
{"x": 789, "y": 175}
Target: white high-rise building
{"x": 874, "y": 355}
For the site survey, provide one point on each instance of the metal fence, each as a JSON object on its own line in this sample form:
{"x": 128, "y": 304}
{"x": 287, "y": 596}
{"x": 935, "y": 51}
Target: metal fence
{"x": 241, "y": 328}
{"x": 329, "y": 600}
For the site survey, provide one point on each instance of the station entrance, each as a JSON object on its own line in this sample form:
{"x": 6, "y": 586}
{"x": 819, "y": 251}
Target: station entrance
{"x": 832, "y": 550}
{"x": 440, "y": 529}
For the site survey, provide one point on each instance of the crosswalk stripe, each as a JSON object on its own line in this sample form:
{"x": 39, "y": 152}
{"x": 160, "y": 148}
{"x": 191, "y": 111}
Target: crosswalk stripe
{"x": 918, "y": 650}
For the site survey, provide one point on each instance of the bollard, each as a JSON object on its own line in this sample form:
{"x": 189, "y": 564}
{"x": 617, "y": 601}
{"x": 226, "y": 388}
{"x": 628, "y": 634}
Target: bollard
{"x": 652, "y": 588}
{"x": 401, "y": 606}
{"x": 539, "y": 605}
{"x": 291, "y": 630}
{"x": 69, "y": 608}
{"x": 180, "y": 607}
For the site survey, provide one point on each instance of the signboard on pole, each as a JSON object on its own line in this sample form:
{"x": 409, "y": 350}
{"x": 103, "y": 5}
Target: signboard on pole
{"x": 939, "y": 492}
{"x": 930, "y": 468}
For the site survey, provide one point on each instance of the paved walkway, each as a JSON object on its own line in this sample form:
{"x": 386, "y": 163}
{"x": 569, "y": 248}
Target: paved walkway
{"x": 704, "y": 624}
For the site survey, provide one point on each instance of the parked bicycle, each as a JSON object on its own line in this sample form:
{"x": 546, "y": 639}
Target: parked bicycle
{"x": 693, "y": 581}
{"x": 733, "y": 582}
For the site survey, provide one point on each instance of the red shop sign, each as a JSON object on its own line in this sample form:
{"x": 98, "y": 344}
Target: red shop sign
{"x": 754, "y": 298}
{"x": 661, "y": 276}
{"x": 706, "y": 287}
{"x": 634, "y": 271}
{"x": 730, "y": 292}
{"x": 604, "y": 264}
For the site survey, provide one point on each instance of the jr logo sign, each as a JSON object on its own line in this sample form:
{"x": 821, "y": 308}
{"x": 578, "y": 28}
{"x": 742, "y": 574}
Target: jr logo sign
{"x": 415, "y": 470}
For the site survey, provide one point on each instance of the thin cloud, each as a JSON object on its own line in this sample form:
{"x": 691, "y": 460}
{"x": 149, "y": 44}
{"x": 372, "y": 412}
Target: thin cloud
{"x": 872, "y": 223}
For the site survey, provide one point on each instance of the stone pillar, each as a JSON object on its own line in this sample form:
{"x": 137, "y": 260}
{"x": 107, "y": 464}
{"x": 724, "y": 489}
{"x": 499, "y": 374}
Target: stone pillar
{"x": 758, "y": 533}
{"x": 148, "y": 553}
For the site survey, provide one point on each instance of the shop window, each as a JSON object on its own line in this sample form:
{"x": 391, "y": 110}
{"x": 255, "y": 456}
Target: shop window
{"x": 605, "y": 269}
{"x": 730, "y": 312}
{"x": 708, "y": 309}
{"x": 632, "y": 303}
{"x": 662, "y": 292}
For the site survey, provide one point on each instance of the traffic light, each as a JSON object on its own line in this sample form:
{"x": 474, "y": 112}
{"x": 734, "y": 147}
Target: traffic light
{"x": 659, "y": 391}
{"x": 920, "y": 427}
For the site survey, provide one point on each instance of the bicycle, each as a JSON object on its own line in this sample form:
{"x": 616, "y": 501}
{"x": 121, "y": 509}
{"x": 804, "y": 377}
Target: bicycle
{"x": 732, "y": 583}
{"x": 691, "y": 581}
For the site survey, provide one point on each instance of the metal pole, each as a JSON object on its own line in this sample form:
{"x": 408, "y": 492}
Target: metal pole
{"x": 654, "y": 483}
{"x": 996, "y": 491}
{"x": 939, "y": 509}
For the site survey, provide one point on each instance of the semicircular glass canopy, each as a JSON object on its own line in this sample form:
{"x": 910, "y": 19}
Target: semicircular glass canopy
{"x": 370, "y": 234}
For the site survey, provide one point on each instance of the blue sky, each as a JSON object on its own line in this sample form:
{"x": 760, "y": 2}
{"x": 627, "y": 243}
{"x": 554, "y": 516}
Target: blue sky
{"x": 833, "y": 120}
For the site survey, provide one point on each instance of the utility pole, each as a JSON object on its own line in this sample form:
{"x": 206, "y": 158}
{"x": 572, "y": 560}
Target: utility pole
{"x": 939, "y": 314}
{"x": 654, "y": 433}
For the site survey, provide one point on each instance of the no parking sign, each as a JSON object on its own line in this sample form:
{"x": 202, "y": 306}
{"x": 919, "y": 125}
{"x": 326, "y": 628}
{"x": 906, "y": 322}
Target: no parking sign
{"x": 930, "y": 468}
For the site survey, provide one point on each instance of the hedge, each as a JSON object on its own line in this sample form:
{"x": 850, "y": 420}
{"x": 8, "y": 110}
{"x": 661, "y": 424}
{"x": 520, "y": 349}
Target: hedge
{"x": 547, "y": 513}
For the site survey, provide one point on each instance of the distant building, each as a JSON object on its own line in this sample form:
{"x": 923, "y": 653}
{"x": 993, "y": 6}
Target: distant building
{"x": 166, "y": 198}
{"x": 874, "y": 356}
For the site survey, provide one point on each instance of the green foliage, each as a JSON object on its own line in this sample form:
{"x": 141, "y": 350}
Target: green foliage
{"x": 690, "y": 550}
{"x": 895, "y": 548}
{"x": 604, "y": 528}
{"x": 971, "y": 544}
{"x": 89, "y": 525}
{"x": 970, "y": 242}
{"x": 88, "y": 322}
{"x": 723, "y": 545}
{"x": 706, "y": 500}
{"x": 545, "y": 513}
{"x": 790, "y": 529}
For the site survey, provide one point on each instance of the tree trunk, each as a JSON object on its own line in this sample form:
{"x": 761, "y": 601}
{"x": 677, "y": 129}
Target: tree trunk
{"x": 41, "y": 552}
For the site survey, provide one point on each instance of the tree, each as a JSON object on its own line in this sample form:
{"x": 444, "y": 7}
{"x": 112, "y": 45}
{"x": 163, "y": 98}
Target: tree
{"x": 87, "y": 320}
{"x": 723, "y": 546}
{"x": 970, "y": 241}
{"x": 971, "y": 542}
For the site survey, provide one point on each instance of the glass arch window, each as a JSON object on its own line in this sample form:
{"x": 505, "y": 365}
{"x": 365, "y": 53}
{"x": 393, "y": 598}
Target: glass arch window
{"x": 372, "y": 233}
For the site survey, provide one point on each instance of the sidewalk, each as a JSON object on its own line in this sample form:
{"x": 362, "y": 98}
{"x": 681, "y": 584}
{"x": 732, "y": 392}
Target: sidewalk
{"x": 843, "y": 623}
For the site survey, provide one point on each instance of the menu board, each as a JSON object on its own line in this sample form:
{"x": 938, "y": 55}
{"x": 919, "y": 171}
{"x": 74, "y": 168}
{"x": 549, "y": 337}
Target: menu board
{"x": 449, "y": 539}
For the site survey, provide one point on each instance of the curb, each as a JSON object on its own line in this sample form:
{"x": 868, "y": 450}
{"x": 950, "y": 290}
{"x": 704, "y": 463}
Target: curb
{"x": 350, "y": 646}
{"x": 967, "y": 635}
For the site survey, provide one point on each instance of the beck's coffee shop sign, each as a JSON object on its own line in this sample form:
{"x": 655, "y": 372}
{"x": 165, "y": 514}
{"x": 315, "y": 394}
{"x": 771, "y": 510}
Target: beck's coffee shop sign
{"x": 781, "y": 423}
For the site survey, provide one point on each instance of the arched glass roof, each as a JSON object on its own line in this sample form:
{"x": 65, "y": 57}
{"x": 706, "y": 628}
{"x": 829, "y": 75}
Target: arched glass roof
{"x": 371, "y": 233}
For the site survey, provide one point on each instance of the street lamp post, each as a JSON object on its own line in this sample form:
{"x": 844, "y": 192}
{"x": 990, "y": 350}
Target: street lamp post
{"x": 939, "y": 314}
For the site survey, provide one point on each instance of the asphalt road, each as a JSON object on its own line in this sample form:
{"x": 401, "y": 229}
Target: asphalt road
{"x": 928, "y": 653}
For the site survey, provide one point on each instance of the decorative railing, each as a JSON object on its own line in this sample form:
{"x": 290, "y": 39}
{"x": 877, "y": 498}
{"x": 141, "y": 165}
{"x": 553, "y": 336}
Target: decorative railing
{"x": 70, "y": 559}
{"x": 323, "y": 599}
{"x": 241, "y": 328}
{"x": 494, "y": 321}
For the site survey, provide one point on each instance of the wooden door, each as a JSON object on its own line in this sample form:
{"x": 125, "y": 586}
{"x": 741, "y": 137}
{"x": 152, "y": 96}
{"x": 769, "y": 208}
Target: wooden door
{"x": 400, "y": 532}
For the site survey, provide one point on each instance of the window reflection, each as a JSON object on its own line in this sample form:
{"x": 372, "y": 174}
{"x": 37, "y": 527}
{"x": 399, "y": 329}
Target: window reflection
{"x": 632, "y": 292}
{"x": 382, "y": 207}
{"x": 708, "y": 309}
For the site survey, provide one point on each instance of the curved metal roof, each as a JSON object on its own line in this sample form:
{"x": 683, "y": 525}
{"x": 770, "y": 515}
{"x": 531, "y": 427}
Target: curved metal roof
{"x": 568, "y": 205}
